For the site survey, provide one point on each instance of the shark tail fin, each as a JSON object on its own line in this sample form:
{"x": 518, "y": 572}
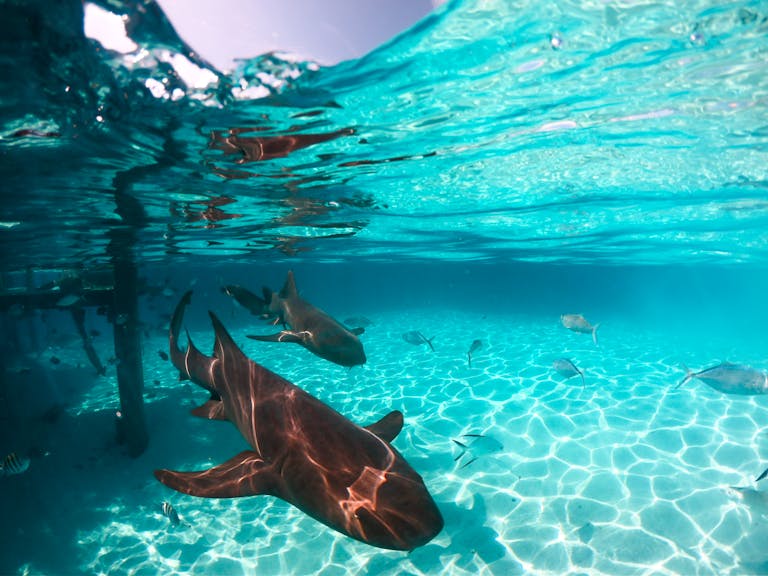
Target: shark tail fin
{"x": 763, "y": 475}
{"x": 594, "y": 333}
{"x": 469, "y": 359}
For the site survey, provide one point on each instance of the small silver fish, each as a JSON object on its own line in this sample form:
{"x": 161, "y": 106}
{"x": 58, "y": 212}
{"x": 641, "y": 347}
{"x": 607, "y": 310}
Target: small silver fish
{"x": 577, "y": 323}
{"x": 567, "y": 369}
{"x": 417, "y": 338}
{"x": 476, "y": 345}
{"x": 477, "y": 445}
{"x": 12, "y": 464}
{"x": 731, "y": 379}
{"x": 170, "y": 512}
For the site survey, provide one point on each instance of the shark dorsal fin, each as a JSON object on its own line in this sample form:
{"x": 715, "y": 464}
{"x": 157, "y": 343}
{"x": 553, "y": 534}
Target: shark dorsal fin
{"x": 388, "y": 427}
{"x": 289, "y": 288}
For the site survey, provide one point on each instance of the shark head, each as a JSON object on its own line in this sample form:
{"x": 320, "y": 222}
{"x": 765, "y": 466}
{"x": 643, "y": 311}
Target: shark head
{"x": 391, "y": 510}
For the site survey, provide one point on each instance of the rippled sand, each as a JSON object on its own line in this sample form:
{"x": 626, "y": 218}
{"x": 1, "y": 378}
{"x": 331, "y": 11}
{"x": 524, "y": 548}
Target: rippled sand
{"x": 624, "y": 476}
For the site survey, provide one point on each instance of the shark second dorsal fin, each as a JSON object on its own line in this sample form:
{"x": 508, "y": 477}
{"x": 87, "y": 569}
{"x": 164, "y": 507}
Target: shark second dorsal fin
{"x": 244, "y": 475}
{"x": 388, "y": 427}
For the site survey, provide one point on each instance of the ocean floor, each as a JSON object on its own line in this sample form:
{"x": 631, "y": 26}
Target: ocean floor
{"x": 623, "y": 475}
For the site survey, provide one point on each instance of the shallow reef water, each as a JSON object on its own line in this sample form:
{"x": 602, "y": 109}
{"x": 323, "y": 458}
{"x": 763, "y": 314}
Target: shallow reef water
{"x": 492, "y": 168}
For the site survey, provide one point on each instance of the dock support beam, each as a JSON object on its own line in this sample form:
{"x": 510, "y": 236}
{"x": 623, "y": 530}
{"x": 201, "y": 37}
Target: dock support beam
{"x": 131, "y": 421}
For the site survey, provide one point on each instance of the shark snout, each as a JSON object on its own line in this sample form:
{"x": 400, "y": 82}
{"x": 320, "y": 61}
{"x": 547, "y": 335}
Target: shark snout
{"x": 405, "y": 516}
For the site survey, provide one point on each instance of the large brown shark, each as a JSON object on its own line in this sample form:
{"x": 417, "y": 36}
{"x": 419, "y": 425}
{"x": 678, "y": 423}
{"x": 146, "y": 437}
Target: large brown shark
{"x": 348, "y": 477}
{"x": 317, "y": 331}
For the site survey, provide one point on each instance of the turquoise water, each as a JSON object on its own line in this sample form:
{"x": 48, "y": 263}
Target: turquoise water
{"x": 494, "y": 167}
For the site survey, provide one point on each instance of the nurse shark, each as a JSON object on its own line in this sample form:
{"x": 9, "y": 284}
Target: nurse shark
{"x": 348, "y": 477}
{"x": 311, "y": 327}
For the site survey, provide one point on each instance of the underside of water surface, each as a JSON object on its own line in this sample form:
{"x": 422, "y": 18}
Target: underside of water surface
{"x": 496, "y": 166}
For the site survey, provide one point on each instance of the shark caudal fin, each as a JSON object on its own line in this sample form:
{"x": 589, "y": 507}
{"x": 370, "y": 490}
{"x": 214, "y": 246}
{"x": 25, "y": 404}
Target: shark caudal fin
{"x": 388, "y": 427}
{"x": 594, "y": 333}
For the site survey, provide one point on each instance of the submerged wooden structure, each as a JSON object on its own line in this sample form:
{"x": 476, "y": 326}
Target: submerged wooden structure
{"x": 119, "y": 300}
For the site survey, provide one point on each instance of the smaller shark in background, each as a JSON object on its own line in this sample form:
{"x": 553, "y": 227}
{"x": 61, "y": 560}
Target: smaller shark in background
{"x": 577, "y": 323}
{"x": 307, "y": 325}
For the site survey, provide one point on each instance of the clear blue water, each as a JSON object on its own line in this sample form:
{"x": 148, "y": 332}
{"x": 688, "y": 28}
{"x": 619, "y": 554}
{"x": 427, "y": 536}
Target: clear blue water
{"x": 494, "y": 167}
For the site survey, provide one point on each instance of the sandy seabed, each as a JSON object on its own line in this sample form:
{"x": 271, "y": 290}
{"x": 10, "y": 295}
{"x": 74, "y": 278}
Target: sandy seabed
{"x": 622, "y": 476}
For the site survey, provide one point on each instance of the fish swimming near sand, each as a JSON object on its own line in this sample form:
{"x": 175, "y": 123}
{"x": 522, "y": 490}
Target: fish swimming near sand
{"x": 731, "y": 379}
{"x": 567, "y": 369}
{"x": 474, "y": 347}
{"x": 13, "y": 464}
{"x": 301, "y": 450}
{"x": 577, "y": 323}
{"x": 417, "y": 338}
{"x": 309, "y": 326}
{"x": 476, "y": 445}
{"x": 169, "y": 512}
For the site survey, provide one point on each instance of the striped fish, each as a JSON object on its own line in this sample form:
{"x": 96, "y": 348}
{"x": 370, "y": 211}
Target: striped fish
{"x": 12, "y": 464}
{"x": 170, "y": 512}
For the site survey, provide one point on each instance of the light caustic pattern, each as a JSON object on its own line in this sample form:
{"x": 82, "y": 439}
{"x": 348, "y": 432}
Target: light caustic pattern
{"x": 624, "y": 476}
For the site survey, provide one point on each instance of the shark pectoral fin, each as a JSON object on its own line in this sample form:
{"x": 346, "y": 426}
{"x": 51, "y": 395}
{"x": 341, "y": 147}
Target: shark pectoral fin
{"x": 284, "y": 336}
{"x": 211, "y": 410}
{"x": 244, "y": 475}
{"x": 357, "y": 331}
{"x": 388, "y": 427}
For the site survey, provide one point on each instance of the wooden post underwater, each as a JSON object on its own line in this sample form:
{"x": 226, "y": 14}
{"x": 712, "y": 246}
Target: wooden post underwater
{"x": 131, "y": 421}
